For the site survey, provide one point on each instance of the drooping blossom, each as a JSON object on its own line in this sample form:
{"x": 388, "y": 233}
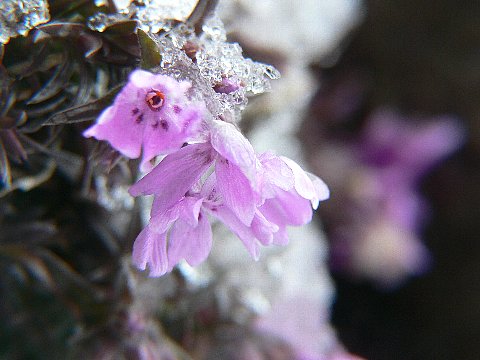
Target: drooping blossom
{"x": 151, "y": 115}
{"x": 235, "y": 167}
{"x": 256, "y": 198}
{"x": 394, "y": 153}
{"x": 375, "y": 220}
{"x": 210, "y": 170}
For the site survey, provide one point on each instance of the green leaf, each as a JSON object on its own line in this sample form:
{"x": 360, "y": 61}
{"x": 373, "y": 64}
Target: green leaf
{"x": 150, "y": 53}
{"x": 122, "y": 28}
{"x": 122, "y": 35}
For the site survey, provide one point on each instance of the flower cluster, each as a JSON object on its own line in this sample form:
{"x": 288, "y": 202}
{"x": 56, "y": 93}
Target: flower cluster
{"x": 210, "y": 170}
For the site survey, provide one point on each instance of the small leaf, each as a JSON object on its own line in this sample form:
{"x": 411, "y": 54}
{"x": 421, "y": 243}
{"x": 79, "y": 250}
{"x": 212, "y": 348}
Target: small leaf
{"x": 150, "y": 53}
{"x": 105, "y": 156}
{"x": 122, "y": 28}
{"x": 27, "y": 183}
{"x": 36, "y": 115}
{"x": 5, "y": 175}
{"x": 60, "y": 29}
{"x": 90, "y": 43}
{"x": 85, "y": 85}
{"x": 69, "y": 163}
{"x": 56, "y": 83}
{"x": 86, "y": 112}
{"x": 12, "y": 146}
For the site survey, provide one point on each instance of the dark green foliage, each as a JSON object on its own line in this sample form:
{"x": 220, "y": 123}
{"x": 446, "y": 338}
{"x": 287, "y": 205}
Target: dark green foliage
{"x": 60, "y": 252}
{"x": 66, "y": 287}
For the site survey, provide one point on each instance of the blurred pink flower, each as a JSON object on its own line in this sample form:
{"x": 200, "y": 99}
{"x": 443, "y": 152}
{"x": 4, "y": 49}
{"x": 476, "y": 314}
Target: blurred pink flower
{"x": 303, "y": 324}
{"x": 381, "y": 239}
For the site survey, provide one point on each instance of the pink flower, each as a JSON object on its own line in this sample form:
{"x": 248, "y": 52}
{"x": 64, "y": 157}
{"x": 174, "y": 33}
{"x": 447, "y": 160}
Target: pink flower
{"x": 255, "y": 198}
{"x": 182, "y": 232}
{"x": 151, "y": 115}
{"x": 290, "y": 194}
{"x": 210, "y": 170}
{"x": 235, "y": 168}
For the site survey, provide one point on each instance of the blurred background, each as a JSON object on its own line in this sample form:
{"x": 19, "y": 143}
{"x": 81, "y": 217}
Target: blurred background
{"x": 398, "y": 106}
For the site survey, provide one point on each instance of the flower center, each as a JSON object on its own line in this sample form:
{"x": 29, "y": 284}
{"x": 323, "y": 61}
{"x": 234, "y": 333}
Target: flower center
{"x": 155, "y": 99}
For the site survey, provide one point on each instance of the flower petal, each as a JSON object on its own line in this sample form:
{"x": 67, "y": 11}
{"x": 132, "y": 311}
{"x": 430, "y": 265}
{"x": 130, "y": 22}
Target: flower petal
{"x": 166, "y": 84}
{"x": 281, "y": 236}
{"x": 169, "y": 129}
{"x": 158, "y": 263}
{"x": 263, "y": 229}
{"x": 174, "y": 176}
{"x": 192, "y": 243}
{"x": 142, "y": 249}
{"x": 236, "y": 190}
{"x": 276, "y": 174}
{"x": 322, "y": 192}
{"x": 150, "y": 248}
{"x": 119, "y": 126}
{"x": 287, "y": 208}
{"x": 244, "y": 233}
{"x": 233, "y": 146}
{"x": 303, "y": 184}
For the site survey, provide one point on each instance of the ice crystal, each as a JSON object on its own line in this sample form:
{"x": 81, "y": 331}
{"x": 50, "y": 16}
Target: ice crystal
{"x": 18, "y": 17}
{"x": 218, "y": 59}
{"x": 153, "y": 15}
{"x": 208, "y": 61}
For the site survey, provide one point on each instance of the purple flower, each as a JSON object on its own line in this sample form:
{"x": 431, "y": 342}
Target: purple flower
{"x": 394, "y": 142}
{"x": 255, "y": 198}
{"x": 182, "y": 232}
{"x": 378, "y": 236}
{"x": 151, "y": 115}
{"x": 235, "y": 168}
{"x": 210, "y": 170}
{"x": 289, "y": 194}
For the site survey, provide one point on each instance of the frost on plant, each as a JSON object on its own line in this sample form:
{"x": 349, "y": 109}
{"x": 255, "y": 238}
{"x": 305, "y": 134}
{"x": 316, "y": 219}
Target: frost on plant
{"x": 18, "y": 17}
{"x": 186, "y": 110}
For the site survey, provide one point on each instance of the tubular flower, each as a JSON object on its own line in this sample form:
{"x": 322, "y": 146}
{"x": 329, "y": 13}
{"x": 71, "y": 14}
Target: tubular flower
{"x": 151, "y": 115}
{"x": 256, "y": 198}
{"x": 210, "y": 170}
